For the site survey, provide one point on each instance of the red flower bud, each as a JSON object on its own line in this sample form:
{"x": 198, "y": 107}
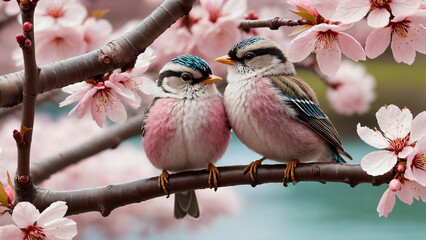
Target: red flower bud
{"x": 27, "y": 26}
{"x": 100, "y": 84}
{"x": 23, "y": 179}
{"x": 20, "y": 39}
{"x": 28, "y": 43}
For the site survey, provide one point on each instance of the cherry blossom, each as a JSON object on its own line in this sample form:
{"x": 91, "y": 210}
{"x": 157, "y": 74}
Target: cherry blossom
{"x": 416, "y": 162}
{"x": 349, "y": 11}
{"x": 396, "y": 140}
{"x": 408, "y": 35}
{"x": 51, "y": 13}
{"x": 55, "y": 44}
{"x": 409, "y": 190}
{"x": 351, "y": 89}
{"x": 31, "y": 224}
{"x": 104, "y": 99}
{"x": 218, "y": 30}
{"x": 96, "y": 32}
{"x": 327, "y": 41}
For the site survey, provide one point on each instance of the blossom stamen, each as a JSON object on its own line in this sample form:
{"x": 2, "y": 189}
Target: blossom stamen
{"x": 398, "y": 144}
{"x": 379, "y": 3}
{"x": 401, "y": 29}
{"x": 325, "y": 41}
{"x": 420, "y": 162}
{"x": 34, "y": 232}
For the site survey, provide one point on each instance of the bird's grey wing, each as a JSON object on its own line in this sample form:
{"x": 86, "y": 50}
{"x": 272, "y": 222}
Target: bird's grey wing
{"x": 146, "y": 112}
{"x": 308, "y": 111}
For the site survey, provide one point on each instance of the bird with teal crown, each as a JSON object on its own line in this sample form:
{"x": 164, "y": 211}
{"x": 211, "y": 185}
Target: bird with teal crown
{"x": 185, "y": 127}
{"x": 273, "y": 112}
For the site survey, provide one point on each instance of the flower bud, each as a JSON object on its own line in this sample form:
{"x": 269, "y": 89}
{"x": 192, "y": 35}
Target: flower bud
{"x": 10, "y": 193}
{"x": 27, "y": 43}
{"x": 400, "y": 168}
{"x": 395, "y": 185}
{"x": 20, "y": 39}
{"x": 27, "y": 26}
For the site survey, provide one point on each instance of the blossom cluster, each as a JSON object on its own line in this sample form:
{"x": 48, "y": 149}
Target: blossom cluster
{"x": 399, "y": 22}
{"x": 403, "y": 144}
{"x": 65, "y": 29}
{"x": 105, "y": 96}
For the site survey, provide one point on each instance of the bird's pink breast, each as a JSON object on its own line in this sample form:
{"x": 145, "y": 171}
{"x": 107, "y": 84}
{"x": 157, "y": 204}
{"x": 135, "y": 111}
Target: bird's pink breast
{"x": 186, "y": 134}
{"x": 160, "y": 128}
{"x": 263, "y": 122}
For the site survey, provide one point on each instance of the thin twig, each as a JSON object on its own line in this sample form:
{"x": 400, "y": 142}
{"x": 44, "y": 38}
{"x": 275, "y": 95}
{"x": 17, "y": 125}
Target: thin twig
{"x": 29, "y": 93}
{"x": 107, "y": 198}
{"x": 272, "y": 23}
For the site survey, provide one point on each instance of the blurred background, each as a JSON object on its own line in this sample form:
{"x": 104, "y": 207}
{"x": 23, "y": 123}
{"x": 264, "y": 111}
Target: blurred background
{"x": 304, "y": 211}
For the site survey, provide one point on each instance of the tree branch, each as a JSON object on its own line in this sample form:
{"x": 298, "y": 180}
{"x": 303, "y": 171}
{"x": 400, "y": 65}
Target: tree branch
{"x": 24, "y": 138}
{"x": 107, "y": 198}
{"x": 116, "y": 54}
{"x": 111, "y": 138}
{"x": 272, "y": 23}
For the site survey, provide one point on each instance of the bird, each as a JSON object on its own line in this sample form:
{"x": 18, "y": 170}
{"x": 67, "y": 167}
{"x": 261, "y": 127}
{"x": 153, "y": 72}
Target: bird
{"x": 185, "y": 127}
{"x": 273, "y": 112}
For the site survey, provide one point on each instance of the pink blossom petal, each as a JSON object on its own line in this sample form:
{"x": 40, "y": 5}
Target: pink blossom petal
{"x": 98, "y": 113}
{"x": 378, "y": 18}
{"x": 350, "y": 11}
{"x": 386, "y": 203}
{"x": 404, "y": 7}
{"x": 62, "y": 228}
{"x": 235, "y": 8}
{"x": 402, "y": 49}
{"x": 329, "y": 58}
{"x": 11, "y": 232}
{"x": 378, "y": 41}
{"x": 406, "y": 194}
{"x": 378, "y": 162}
{"x": 327, "y": 8}
{"x": 394, "y": 122}
{"x": 54, "y": 211}
{"x": 301, "y": 46}
{"x": 420, "y": 176}
{"x": 371, "y": 137}
{"x": 351, "y": 47}
{"x": 118, "y": 114}
{"x": 25, "y": 214}
{"x": 418, "y": 127}
{"x": 417, "y": 33}
{"x": 405, "y": 152}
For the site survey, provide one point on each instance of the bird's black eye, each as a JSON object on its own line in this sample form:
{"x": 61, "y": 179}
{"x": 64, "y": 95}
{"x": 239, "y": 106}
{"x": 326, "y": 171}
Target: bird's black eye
{"x": 249, "y": 55}
{"x": 186, "y": 77}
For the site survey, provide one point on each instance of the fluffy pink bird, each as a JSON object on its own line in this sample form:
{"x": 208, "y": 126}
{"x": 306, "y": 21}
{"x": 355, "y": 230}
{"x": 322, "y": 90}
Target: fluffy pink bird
{"x": 273, "y": 112}
{"x": 186, "y": 126}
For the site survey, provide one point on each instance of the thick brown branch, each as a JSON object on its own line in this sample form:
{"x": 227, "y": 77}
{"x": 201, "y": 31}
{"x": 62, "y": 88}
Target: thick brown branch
{"x": 107, "y": 198}
{"x": 111, "y": 138}
{"x": 116, "y": 54}
{"x": 272, "y": 23}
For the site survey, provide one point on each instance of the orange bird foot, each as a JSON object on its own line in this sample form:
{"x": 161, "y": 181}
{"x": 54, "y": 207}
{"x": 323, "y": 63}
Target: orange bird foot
{"x": 252, "y": 167}
{"x": 289, "y": 172}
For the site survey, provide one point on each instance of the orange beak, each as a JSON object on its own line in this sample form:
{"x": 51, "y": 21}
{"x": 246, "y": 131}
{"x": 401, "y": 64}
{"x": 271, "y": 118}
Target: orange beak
{"x": 226, "y": 60}
{"x": 211, "y": 79}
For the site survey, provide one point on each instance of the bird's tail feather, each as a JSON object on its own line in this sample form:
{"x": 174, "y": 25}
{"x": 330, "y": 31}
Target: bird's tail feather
{"x": 337, "y": 155}
{"x": 186, "y": 204}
